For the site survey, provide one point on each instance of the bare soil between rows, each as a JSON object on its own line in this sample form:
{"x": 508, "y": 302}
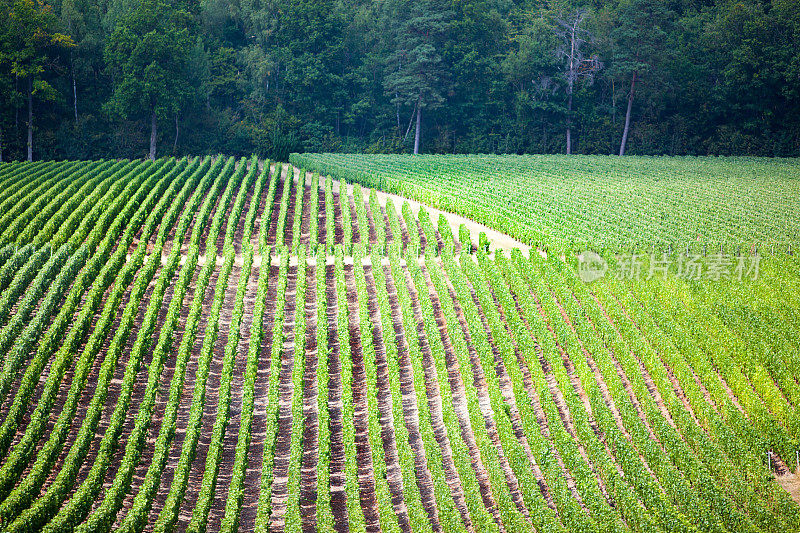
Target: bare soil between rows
{"x": 463, "y": 378}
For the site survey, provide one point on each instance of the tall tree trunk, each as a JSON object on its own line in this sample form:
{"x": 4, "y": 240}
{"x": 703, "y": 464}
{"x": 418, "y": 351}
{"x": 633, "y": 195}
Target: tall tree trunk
{"x": 153, "y": 132}
{"x": 410, "y": 121}
{"x": 569, "y": 123}
{"x": 569, "y": 87}
{"x": 30, "y": 119}
{"x": 74, "y": 95}
{"x": 627, "y": 117}
{"x": 177, "y": 132}
{"x": 397, "y": 106}
{"x": 544, "y": 136}
{"x": 419, "y": 129}
{"x": 16, "y": 109}
{"x": 613, "y": 103}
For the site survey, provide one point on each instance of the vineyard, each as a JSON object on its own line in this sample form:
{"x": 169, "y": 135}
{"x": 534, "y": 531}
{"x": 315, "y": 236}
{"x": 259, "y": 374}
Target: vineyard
{"x": 573, "y": 202}
{"x": 213, "y": 344}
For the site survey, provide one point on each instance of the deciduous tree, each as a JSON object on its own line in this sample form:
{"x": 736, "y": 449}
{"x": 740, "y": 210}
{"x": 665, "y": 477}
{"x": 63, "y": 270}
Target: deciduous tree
{"x": 29, "y": 47}
{"x": 640, "y": 46}
{"x": 148, "y": 55}
{"x": 578, "y": 64}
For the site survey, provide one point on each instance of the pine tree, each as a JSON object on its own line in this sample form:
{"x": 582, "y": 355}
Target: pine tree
{"x": 416, "y": 73}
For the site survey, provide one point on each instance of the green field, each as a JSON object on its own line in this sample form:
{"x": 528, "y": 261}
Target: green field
{"x": 212, "y": 344}
{"x": 566, "y": 202}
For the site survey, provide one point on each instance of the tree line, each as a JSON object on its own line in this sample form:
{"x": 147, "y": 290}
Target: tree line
{"x": 84, "y": 79}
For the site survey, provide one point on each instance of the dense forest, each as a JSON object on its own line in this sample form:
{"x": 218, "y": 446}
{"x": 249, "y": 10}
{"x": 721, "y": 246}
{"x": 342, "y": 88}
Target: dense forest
{"x": 86, "y": 79}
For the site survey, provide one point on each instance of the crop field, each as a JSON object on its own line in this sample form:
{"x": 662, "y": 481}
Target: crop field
{"x": 563, "y": 202}
{"x": 220, "y": 344}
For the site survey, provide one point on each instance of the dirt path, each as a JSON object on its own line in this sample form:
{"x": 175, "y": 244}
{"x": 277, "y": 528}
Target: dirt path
{"x": 452, "y": 477}
{"x": 168, "y": 371}
{"x": 394, "y": 475}
{"x": 497, "y": 240}
{"x": 322, "y": 228}
{"x": 410, "y": 408}
{"x": 390, "y": 237}
{"x": 252, "y": 477}
{"x": 601, "y": 384}
{"x": 460, "y": 405}
{"x": 85, "y": 398}
{"x": 349, "y": 203}
{"x": 338, "y": 221}
{"x": 366, "y": 473}
{"x": 791, "y": 484}
{"x": 272, "y": 229}
{"x": 280, "y": 484}
{"x": 305, "y": 222}
{"x": 484, "y": 401}
{"x": 196, "y": 472}
{"x": 310, "y": 455}
{"x": 404, "y": 235}
{"x": 372, "y": 223}
{"x": 288, "y": 227}
{"x": 335, "y": 407}
{"x": 186, "y": 396}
